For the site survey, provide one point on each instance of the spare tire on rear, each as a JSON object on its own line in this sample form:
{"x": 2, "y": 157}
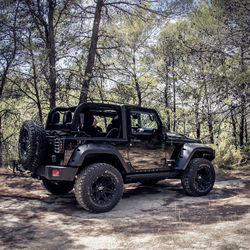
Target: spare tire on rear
{"x": 31, "y": 145}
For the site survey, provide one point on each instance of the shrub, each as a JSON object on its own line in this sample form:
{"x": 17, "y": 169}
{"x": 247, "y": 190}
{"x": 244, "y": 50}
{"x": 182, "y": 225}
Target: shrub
{"x": 227, "y": 156}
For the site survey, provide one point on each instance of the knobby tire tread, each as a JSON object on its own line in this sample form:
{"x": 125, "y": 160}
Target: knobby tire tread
{"x": 36, "y": 145}
{"x": 83, "y": 178}
{"x": 191, "y": 170}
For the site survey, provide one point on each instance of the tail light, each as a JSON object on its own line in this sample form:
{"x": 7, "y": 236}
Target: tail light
{"x": 58, "y": 146}
{"x": 55, "y": 172}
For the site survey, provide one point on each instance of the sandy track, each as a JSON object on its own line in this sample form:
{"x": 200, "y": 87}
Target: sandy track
{"x": 159, "y": 217}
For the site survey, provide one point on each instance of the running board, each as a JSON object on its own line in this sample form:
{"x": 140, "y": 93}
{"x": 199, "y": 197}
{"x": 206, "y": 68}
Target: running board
{"x": 130, "y": 178}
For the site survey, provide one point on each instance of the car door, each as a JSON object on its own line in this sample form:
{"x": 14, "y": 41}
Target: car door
{"x": 146, "y": 145}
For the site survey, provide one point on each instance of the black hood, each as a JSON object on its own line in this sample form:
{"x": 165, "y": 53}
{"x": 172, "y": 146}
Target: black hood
{"x": 180, "y": 137}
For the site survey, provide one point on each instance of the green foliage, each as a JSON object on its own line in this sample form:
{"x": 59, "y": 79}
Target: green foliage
{"x": 227, "y": 155}
{"x": 193, "y": 70}
{"x": 246, "y": 153}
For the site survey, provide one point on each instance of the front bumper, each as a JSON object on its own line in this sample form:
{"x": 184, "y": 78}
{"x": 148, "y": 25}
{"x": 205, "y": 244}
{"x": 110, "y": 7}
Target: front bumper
{"x": 64, "y": 173}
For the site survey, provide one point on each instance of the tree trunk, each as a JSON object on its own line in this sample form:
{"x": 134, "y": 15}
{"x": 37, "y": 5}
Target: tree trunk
{"x": 209, "y": 114}
{"x": 234, "y": 126}
{"x": 167, "y": 95}
{"x": 9, "y": 62}
{"x": 52, "y": 53}
{"x": 137, "y": 86}
{"x": 1, "y": 145}
{"x": 92, "y": 52}
{"x": 48, "y": 35}
{"x": 184, "y": 123}
{"x": 198, "y": 130}
{"x": 174, "y": 99}
{"x": 197, "y": 123}
{"x": 233, "y": 120}
{"x": 38, "y": 102}
{"x": 138, "y": 91}
{"x": 242, "y": 119}
{"x": 210, "y": 128}
{"x": 243, "y": 102}
{"x": 246, "y": 132}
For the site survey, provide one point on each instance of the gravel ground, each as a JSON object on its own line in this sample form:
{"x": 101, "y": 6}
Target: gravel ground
{"x": 159, "y": 217}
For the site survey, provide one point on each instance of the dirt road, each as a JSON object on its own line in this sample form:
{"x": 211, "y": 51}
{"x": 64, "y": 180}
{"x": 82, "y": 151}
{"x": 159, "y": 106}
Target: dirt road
{"x": 159, "y": 217}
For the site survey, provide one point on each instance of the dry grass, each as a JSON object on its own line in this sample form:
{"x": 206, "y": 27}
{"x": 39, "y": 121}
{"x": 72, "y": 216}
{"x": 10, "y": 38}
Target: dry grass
{"x": 243, "y": 231}
{"x": 230, "y": 247}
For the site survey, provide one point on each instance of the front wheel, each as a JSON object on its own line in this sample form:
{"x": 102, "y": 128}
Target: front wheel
{"x": 58, "y": 187}
{"x": 198, "y": 178}
{"x": 99, "y": 187}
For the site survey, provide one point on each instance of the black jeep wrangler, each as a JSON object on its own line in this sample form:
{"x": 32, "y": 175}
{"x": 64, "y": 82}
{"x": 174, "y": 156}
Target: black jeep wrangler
{"x": 95, "y": 148}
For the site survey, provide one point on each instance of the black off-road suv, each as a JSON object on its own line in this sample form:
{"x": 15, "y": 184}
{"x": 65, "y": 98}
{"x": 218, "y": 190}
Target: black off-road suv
{"x": 96, "y": 148}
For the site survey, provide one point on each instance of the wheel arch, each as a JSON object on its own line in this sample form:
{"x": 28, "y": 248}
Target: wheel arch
{"x": 190, "y": 151}
{"x": 87, "y": 154}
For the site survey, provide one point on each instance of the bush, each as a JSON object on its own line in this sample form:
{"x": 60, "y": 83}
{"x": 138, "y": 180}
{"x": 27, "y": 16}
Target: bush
{"x": 246, "y": 153}
{"x": 227, "y": 156}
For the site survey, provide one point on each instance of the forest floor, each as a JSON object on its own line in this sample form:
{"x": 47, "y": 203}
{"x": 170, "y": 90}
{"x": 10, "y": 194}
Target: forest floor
{"x": 159, "y": 217}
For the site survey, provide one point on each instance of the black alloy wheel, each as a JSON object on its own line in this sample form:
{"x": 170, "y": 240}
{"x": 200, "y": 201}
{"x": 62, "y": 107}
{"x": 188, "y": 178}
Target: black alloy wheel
{"x": 98, "y": 187}
{"x": 203, "y": 179}
{"x": 103, "y": 190}
{"x": 198, "y": 178}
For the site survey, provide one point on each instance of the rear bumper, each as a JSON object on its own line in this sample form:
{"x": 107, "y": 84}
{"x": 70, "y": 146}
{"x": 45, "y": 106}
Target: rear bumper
{"x": 65, "y": 173}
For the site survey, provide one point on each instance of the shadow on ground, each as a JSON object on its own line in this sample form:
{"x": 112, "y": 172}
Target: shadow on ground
{"x": 29, "y": 213}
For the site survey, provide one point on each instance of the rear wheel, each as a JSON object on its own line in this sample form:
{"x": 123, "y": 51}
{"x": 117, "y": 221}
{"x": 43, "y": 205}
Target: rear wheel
{"x": 99, "y": 187}
{"x": 58, "y": 187}
{"x": 199, "y": 177}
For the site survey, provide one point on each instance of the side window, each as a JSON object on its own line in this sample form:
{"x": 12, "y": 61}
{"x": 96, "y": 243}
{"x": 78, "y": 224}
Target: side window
{"x": 143, "y": 123}
{"x": 102, "y": 122}
{"x": 148, "y": 121}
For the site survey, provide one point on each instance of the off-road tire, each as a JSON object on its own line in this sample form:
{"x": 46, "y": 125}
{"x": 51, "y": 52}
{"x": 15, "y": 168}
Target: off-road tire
{"x": 31, "y": 145}
{"x": 97, "y": 182}
{"x": 198, "y": 178}
{"x": 58, "y": 187}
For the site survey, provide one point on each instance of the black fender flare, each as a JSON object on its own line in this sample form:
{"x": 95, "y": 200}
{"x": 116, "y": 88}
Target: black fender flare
{"x": 189, "y": 150}
{"x": 82, "y": 151}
